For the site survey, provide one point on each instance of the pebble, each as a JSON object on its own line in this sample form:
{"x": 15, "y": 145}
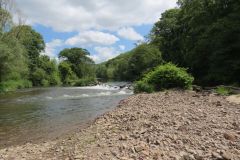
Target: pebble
{"x": 230, "y": 136}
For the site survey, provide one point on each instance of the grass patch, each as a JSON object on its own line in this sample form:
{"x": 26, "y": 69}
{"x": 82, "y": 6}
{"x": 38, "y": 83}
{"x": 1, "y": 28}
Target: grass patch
{"x": 13, "y": 85}
{"x": 85, "y": 82}
{"x": 224, "y": 91}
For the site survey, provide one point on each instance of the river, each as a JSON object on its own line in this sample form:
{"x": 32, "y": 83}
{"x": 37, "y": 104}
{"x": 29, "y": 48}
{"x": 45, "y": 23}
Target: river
{"x": 45, "y": 113}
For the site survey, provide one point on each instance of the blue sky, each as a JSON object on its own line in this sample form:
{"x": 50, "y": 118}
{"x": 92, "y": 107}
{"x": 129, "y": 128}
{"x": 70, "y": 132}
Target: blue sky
{"x": 105, "y": 27}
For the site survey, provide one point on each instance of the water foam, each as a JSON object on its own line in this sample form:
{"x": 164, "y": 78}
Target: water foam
{"x": 99, "y": 87}
{"x": 100, "y": 94}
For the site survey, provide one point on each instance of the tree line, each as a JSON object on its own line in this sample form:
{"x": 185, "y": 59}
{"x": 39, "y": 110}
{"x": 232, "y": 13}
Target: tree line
{"x": 200, "y": 35}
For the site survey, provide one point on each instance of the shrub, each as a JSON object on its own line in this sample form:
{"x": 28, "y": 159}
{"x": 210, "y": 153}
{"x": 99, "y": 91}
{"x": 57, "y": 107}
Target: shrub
{"x": 85, "y": 82}
{"x": 221, "y": 90}
{"x": 45, "y": 83}
{"x": 13, "y": 85}
{"x": 165, "y": 77}
{"x": 142, "y": 86}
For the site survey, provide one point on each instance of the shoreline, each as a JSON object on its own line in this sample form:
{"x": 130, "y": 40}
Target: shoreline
{"x": 43, "y": 139}
{"x": 164, "y": 125}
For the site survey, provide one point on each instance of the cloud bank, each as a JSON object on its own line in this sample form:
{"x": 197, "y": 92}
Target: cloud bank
{"x": 78, "y": 15}
{"x": 103, "y": 26}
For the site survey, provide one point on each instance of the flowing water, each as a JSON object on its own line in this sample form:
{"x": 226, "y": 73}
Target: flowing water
{"x": 43, "y": 113}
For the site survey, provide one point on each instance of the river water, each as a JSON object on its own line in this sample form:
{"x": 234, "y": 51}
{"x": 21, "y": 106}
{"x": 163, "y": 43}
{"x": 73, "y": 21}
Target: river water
{"x": 42, "y": 113}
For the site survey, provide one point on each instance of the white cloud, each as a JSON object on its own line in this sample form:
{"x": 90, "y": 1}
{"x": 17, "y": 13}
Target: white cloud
{"x": 51, "y": 48}
{"x": 122, "y": 47}
{"x": 104, "y": 53}
{"x": 78, "y": 15}
{"x": 92, "y": 38}
{"x": 93, "y": 19}
{"x": 130, "y": 33}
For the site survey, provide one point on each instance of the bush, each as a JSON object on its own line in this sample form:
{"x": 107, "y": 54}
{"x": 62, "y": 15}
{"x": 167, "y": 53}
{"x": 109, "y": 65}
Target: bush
{"x": 54, "y": 79}
{"x": 45, "y": 83}
{"x": 38, "y": 77}
{"x": 165, "y": 77}
{"x": 13, "y": 85}
{"x": 221, "y": 90}
{"x": 142, "y": 86}
{"x": 85, "y": 82}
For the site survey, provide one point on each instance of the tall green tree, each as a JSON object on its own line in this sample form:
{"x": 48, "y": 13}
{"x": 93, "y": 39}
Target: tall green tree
{"x": 76, "y": 61}
{"x": 165, "y": 35}
{"x": 32, "y": 41}
{"x": 143, "y": 59}
{"x": 34, "y": 45}
{"x": 13, "y": 61}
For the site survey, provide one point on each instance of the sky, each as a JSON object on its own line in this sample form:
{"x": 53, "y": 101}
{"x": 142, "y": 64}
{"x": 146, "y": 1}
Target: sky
{"x": 106, "y": 28}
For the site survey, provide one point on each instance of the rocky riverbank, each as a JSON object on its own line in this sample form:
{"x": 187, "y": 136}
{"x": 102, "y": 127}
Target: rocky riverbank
{"x": 172, "y": 125}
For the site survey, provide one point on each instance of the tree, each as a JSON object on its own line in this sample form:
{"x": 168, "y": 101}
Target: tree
{"x": 165, "y": 35}
{"x": 13, "y": 61}
{"x": 143, "y": 59}
{"x": 33, "y": 43}
{"x": 80, "y": 63}
{"x": 66, "y": 73}
{"x": 51, "y": 70}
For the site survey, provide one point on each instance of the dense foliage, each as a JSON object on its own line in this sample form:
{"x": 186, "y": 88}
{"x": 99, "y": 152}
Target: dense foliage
{"x": 164, "y": 77}
{"x": 203, "y": 36}
{"x": 13, "y": 66}
{"x": 76, "y": 68}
